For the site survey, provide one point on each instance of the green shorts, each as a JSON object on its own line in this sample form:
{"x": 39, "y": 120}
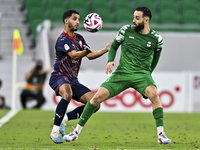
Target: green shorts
{"x": 119, "y": 82}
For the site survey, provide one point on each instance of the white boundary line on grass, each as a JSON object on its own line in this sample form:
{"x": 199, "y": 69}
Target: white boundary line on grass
{"x": 8, "y": 116}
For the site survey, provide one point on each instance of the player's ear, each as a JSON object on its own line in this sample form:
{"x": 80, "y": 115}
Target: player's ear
{"x": 66, "y": 20}
{"x": 147, "y": 19}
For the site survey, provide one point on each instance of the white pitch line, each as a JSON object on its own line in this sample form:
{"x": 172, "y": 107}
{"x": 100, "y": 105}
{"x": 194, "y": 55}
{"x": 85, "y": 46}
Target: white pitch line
{"x": 8, "y": 116}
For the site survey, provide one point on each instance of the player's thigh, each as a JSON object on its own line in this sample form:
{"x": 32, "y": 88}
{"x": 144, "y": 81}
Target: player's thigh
{"x": 56, "y": 81}
{"x": 151, "y": 92}
{"x": 116, "y": 83}
{"x": 81, "y": 93}
{"x": 141, "y": 81}
{"x": 65, "y": 91}
{"x": 101, "y": 95}
{"x": 86, "y": 97}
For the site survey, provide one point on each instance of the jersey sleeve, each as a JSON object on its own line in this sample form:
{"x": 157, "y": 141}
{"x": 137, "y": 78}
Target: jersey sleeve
{"x": 157, "y": 53}
{"x": 64, "y": 45}
{"x": 113, "y": 50}
{"x": 120, "y": 35}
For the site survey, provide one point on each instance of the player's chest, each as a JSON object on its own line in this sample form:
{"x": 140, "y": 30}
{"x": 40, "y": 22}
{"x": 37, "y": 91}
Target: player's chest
{"x": 77, "y": 45}
{"x": 136, "y": 40}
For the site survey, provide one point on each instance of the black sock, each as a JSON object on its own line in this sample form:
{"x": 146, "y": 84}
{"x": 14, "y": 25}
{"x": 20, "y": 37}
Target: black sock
{"x": 76, "y": 113}
{"x": 60, "y": 111}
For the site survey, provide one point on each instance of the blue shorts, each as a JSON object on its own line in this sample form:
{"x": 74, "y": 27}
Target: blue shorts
{"x": 78, "y": 89}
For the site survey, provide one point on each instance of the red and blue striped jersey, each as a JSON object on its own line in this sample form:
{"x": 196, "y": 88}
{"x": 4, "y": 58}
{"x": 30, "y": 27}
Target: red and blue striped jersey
{"x": 64, "y": 63}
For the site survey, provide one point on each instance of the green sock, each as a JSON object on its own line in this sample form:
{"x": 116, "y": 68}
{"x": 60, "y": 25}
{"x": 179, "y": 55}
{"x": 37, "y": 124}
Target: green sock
{"x": 87, "y": 113}
{"x": 158, "y": 116}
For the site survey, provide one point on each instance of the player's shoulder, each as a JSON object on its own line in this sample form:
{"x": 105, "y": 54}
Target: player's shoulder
{"x": 78, "y": 35}
{"x": 125, "y": 27}
{"x": 156, "y": 35}
{"x": 62, "y": 38}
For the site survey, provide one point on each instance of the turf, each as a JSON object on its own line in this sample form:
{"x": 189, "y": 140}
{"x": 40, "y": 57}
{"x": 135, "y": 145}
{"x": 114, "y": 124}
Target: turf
{"x": 3, "y": 112}
{"x": 30, "y": 130}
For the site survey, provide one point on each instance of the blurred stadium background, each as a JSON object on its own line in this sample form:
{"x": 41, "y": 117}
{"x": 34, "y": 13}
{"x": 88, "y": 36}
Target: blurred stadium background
{"x": 40, "y": 23}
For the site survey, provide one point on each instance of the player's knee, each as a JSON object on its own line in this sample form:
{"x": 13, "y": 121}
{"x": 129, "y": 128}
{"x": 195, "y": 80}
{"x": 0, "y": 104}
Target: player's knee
{"x": 67, "y": 96}
{"x": 151, "y": 92}
{"x": 96, "y": 100}
{"x": 153, "y": 96}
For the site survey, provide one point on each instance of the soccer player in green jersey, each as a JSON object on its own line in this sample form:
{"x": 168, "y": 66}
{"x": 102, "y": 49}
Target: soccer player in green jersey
{"x": 141, "y": 47}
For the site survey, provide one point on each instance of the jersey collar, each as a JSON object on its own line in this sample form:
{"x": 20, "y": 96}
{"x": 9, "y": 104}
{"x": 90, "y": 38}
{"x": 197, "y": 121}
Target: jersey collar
{"x": 72, "y": 37}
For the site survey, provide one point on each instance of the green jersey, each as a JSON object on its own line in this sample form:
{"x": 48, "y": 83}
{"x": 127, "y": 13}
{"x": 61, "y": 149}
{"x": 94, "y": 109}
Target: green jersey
{"x": 139, "y": 52}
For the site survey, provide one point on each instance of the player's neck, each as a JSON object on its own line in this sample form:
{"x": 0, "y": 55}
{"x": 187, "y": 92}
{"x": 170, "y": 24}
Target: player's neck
{"x": 146, "y": 30}
{"x": 69, "y": 32}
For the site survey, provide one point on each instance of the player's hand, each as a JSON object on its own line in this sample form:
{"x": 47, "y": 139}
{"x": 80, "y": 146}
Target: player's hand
{"x": 109, "y": 67}
{"x": 108, "y": 46}
{"x": 87, "y": 49}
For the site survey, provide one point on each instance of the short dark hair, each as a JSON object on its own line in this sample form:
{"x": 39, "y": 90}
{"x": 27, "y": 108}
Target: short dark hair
{"x": 68, "y": 14}
{"x": 146, "y": 11}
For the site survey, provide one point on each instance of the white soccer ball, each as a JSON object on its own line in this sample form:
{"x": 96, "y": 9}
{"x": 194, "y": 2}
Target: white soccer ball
{"x": 93, "y": 22}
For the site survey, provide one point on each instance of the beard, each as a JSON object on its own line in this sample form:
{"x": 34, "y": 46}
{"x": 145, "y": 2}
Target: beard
{"x": 72, "y": 27}
{"x": 139, "y": 27}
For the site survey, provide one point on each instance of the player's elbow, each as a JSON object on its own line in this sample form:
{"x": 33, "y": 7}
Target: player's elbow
{"x": 93, "y": 55}
{"x": 74, "y": 55}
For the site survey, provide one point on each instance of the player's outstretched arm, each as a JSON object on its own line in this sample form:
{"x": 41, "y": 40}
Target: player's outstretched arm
{"x": 96, "y": 54}
{"x": 77, "y": 55}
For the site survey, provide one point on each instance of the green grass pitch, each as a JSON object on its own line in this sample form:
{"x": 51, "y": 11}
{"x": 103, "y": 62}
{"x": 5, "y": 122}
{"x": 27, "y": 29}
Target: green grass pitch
{"x": 30, "y": 130}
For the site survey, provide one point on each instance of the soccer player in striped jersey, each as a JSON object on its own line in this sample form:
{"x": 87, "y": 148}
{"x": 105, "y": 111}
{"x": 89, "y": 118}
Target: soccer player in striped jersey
{"x": 70, "y": 49}
{"x": 141, "y": 47}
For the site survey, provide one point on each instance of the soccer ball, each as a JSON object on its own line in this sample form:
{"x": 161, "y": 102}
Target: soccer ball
{"x": 93, "y": 22}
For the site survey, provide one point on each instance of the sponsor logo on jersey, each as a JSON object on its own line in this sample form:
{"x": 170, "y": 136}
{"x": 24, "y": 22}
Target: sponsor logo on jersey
{"x": 66, "y": 47}
{"x": 149, "y": 44}
{"x": 131, "y": 37}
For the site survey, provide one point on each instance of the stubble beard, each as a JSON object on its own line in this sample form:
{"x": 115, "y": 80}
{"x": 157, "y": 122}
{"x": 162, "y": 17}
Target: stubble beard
{"x": 139, "y": 27}
{"x": 72, "y": 27}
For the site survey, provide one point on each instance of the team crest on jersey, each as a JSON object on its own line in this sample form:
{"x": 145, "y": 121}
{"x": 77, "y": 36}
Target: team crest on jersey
{"x": 66, "y": 47}
{"x": 81, "y": 44}
{"x": 65, "y": 78}
{"x": 149, "y": 44}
